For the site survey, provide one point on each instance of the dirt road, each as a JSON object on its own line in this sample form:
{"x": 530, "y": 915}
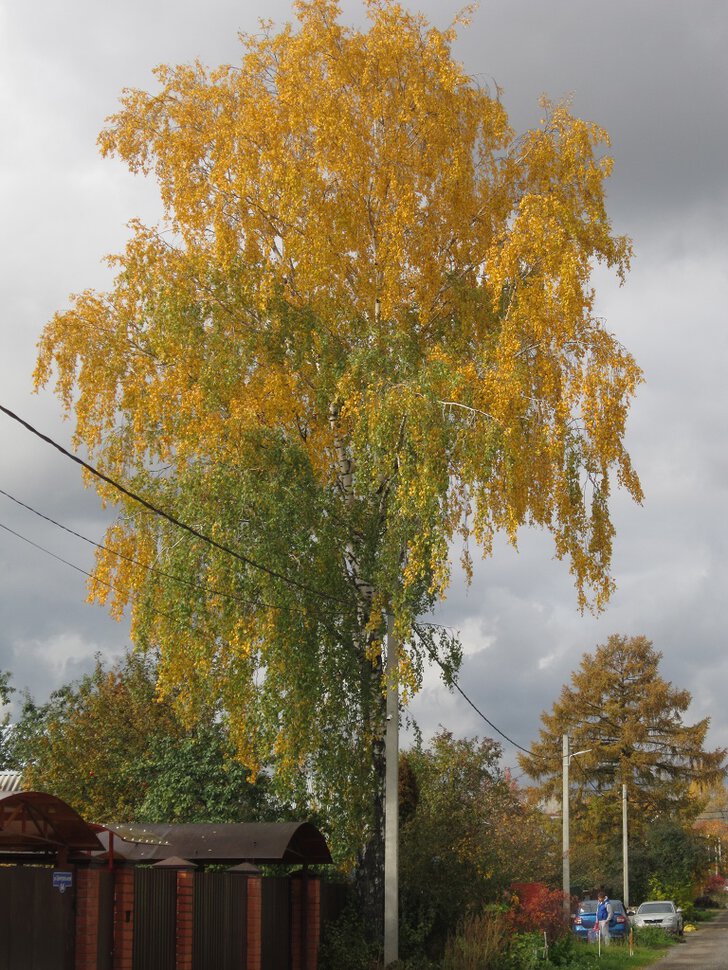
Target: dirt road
{"x": 705, "y": 950}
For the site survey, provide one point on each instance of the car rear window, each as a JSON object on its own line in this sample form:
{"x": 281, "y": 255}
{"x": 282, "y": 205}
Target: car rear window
{"x": 590, "y": 906}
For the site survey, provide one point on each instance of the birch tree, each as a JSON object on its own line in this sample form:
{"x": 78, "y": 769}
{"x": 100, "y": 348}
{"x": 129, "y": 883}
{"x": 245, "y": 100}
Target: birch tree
{"x": 365, "y": 332}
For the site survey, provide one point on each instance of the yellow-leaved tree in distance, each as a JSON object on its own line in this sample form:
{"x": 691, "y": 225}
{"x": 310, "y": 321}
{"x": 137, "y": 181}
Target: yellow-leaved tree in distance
{"x": 365, "y": 330}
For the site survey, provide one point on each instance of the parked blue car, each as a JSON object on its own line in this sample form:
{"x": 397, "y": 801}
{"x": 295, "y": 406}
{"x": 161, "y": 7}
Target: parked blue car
{"x": 585, "y": 918}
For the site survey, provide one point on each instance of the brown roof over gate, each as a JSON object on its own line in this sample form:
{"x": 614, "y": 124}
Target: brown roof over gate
{"x": 36, "y": 827}
{"x": 292, "y": 843}
{"x": 38, "y": 823}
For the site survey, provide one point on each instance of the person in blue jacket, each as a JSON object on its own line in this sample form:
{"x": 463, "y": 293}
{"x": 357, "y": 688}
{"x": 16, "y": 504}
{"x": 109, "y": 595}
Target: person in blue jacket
{"x": 605, "y": 912}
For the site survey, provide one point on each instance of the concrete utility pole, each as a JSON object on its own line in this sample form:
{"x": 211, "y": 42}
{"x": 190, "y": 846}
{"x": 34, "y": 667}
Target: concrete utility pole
{"x": 567, "y": 755}
{"x": 391, "y": 802}
{"x": 625, "y": 850}
{"x": 566, "y": 867}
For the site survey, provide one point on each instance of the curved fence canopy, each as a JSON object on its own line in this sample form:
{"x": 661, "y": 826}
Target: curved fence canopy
{"x": 34, "y": 824}
{"x": 291, "y": 843}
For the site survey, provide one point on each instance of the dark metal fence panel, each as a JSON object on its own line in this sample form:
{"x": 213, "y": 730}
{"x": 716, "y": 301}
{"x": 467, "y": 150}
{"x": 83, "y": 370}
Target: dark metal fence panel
{"x": 276, "y": 923}
{"x": 37, "y": 923}
{"x": 6, "y": 889}
{"x": 155, "y": 919}
{"x": 333, "y": 901}
{"x": 219, "y": 940}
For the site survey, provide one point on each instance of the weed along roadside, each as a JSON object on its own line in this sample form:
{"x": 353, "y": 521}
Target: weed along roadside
{"x": 706, "y": 949}
{"x": 618, "y": 957}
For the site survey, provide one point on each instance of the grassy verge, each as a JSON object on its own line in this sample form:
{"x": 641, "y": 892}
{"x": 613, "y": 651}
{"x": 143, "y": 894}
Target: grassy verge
{"x": 616, "y": 956}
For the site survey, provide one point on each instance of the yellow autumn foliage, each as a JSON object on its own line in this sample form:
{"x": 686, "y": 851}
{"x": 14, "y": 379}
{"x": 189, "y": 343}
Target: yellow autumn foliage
{"x": 365, "y": 330}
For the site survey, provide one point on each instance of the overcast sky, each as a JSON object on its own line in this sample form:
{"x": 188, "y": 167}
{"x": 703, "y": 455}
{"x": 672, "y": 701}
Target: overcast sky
{"x": 654, "y": 73}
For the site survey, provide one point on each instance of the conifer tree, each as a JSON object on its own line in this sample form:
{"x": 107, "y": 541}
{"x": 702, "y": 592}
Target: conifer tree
{"x": 630, "y": 722}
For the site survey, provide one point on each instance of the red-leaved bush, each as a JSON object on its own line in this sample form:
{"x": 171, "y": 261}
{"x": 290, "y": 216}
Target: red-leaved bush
{"x": 541, "y": 910}
{"x": 714, "y": 885}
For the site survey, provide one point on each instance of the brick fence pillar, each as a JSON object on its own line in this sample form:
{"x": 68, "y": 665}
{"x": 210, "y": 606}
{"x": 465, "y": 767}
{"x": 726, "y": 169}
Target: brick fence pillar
{"x": 314, "y": 921}
{"x": 305, "y": 921}
{"x": 185, "y": 902}
{"x": 87, "y": 919}
{"x": 123, "y": 919}
{"x": 254, "y": 923}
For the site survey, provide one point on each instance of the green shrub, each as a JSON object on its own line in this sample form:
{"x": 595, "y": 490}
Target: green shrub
{"x": 650, "y": 937}
{"x": 678, "y": 890}
{"x": 344, "y": 944}
{"x": 563, "y": 953}
{"x": 526, "y": 952}
{"x": 482, "y": 940}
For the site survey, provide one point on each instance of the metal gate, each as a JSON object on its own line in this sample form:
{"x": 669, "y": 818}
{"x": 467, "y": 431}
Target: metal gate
{"x": 155, "y": 919}
{"x": 220, "y": 936}
{"x": 37, "y": 920}
{"x": 276, "y": 923}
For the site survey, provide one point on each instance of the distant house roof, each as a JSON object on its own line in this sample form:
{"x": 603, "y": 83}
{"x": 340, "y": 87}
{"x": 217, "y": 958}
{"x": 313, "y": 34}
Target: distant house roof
{"x": 10, "y": 781}
{"x": 293, "y": 843}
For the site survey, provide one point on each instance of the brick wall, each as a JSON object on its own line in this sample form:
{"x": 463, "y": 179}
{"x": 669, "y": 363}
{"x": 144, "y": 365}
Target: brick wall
{"x": 314, "y": 921}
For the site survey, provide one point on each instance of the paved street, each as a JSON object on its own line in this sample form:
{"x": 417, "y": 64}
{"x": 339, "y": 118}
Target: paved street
{"x": 705, "y": 950}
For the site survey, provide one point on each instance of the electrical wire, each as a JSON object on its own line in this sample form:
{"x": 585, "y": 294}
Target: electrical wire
{"x": 477, "y": 710}
{"x": 71, "y": 565}
{"x": 218, "y": 592}
{"x": 203, "y": 587}
{"x": 458, "y": 688}
{"x": 304, "y": 587}
{"x": 46, "y": 551}
{"x": 84, "y": 572}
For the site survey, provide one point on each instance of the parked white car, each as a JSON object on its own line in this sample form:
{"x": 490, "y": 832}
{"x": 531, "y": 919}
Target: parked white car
{"x": 663, "y": 914}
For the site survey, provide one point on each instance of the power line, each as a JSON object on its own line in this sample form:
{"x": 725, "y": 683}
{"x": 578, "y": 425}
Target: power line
{"x": 477, "y": 710}
{"x": 304, "y": 587}
{"x": 458, "y": 688}
{"x": 218, "y": 592}
{"x": 46, "y": 551}
{"x": 189, "y": 583}
{"x": 78, "y": 569}
{"x": 203, "y": 587}
{"x": 210, "y": 541}
{"x": 84, "y": 572}
{"x": 520, "y": 747}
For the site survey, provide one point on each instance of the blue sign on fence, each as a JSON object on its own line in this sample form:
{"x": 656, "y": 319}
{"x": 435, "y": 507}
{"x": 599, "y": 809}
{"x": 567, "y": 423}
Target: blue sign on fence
{"x": 62, "y": 881}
